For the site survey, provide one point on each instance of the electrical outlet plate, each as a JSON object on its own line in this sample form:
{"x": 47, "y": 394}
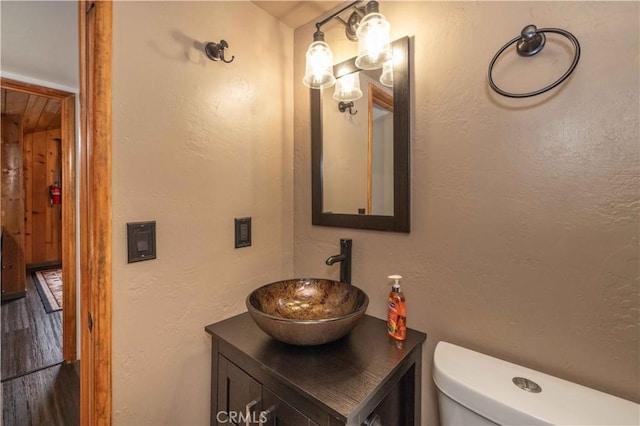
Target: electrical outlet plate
{"x": 243, "y": 231}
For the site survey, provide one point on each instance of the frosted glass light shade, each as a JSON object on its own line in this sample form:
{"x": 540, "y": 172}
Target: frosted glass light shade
{"x": 387, "y": 73}
{"x": 374, "y": 42}
{"x": 348, "y": 88}
{"x": 319, "y": 68}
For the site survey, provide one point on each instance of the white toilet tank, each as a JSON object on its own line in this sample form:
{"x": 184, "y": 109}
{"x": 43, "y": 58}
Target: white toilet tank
{"x": 476, "y": 389}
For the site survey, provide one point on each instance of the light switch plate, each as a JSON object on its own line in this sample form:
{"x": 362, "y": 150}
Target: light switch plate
{"x": 141, "y": 241}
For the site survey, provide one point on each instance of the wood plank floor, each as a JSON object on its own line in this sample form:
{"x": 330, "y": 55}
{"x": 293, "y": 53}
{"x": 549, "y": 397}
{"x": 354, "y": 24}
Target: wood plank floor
{"x": 37, "y": 388}
{"x": 44, "y": 397}
{"x": 31, "y": 338}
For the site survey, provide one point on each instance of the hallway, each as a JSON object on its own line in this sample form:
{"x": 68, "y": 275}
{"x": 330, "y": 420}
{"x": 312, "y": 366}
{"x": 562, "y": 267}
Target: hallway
{"x": 37, "y": 387}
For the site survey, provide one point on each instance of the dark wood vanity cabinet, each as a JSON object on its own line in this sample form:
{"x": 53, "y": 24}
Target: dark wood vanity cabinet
{"x": 258, "y": 380}
{"x": 242, "y": 399}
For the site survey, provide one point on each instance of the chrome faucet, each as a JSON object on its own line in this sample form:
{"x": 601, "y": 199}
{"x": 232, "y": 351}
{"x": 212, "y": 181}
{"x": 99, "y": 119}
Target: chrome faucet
{"x": 345, "y": 260}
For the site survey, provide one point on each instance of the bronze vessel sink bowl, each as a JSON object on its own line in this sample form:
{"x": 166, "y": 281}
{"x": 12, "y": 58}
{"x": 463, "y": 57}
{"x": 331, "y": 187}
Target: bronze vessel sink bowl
{"x": 307, "y": 311}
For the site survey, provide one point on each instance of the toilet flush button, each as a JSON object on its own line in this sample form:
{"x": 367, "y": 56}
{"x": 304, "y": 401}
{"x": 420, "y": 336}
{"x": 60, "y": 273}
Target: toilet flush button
{"x": 526, "y": 384}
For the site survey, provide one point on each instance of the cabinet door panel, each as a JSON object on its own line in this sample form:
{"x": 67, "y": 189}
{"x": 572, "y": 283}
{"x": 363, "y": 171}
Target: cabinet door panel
{"x": 282, "y": 414}
{"x": 237, "y": 392}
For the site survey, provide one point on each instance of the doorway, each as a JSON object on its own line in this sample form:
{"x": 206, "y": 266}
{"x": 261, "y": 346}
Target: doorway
{"x": 94, "y": 202}
{"x": 48, "y": 115}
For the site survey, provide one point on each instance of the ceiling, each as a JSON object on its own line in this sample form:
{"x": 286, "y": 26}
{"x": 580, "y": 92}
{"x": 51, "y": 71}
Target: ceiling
{"x": 38, "y": 113}
{"x": 297, "y": 13}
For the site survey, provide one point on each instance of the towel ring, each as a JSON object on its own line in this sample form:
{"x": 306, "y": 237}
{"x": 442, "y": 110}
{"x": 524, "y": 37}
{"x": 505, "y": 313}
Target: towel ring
{"x": 530, "y": 42}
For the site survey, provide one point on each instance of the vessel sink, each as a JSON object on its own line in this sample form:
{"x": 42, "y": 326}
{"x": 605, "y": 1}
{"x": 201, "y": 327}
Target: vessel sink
{"x": 307, "y": 311}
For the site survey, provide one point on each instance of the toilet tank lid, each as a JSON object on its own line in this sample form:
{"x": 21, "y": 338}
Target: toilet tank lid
{"x": 485, "y": 385}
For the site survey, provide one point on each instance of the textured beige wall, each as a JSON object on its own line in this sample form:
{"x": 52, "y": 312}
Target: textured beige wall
{"x": 524, "y": 241}
{"x": 195, "y": 144}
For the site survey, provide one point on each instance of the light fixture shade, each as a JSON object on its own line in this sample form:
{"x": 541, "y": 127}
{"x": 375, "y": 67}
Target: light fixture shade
{"x": 387, "y": 73}
{"x": 319, "y": 69}
{"x": 348, "y": 88}
{"x": 374, "y": 41}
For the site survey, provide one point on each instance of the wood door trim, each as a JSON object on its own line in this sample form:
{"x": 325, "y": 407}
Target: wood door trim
{"x": 34, "y": 89}
{"x": 68, "y": 159}
{"x": 95, "y": 25}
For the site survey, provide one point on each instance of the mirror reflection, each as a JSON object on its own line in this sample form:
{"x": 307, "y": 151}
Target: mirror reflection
{"x": 380, "y": 152}
{"x": 360, "y": 146}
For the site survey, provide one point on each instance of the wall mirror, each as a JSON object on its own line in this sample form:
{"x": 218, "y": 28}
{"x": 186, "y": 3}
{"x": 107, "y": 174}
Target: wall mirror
{"x": 360, "y": 155}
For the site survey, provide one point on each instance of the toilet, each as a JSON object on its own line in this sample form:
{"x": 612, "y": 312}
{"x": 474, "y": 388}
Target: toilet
{"x": 476, "y": 389}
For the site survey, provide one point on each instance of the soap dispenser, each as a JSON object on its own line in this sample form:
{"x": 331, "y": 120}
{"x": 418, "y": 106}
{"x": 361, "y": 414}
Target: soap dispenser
{"x": 397, "y": 311}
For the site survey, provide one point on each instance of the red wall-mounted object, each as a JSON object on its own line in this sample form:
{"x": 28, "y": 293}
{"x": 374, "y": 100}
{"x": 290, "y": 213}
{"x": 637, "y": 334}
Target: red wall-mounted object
{"x": 55, "y": 194}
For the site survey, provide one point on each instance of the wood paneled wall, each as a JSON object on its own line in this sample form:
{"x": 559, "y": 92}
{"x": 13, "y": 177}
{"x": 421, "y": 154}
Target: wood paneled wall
{"x": 43, "y": 221}
{"x": 13, "y": 259}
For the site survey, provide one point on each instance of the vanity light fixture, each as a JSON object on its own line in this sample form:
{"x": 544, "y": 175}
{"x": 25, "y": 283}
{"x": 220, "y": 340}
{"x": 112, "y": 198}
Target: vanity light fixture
{"x": 319, "y": 69}
{"x": 387, "y": 73}
{"x": 348, "y": 87}
{"x": 347, "y": 91}
{"x": 374, "y": 39}
{"x": 374, "y": 47}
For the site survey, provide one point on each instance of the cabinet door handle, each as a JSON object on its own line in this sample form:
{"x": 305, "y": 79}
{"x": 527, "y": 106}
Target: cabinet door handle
{"x": 264, "y": 415}
{"x": 247, "y": 409}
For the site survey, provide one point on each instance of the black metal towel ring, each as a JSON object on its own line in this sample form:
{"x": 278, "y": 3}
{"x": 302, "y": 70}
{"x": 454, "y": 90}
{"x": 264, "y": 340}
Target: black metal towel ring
{"x": 530, "y": 42}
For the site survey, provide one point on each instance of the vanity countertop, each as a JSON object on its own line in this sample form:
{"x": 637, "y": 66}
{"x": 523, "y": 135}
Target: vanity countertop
{"x": 345, "y": 378}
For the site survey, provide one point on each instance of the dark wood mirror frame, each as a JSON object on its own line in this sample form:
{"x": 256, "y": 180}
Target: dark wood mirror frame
{"x": 400, "y": 221}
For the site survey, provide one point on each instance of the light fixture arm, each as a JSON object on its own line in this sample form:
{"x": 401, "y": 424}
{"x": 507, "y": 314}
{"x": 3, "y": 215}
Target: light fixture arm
{"x": 351, "y": 25}
{"x": 318, "y": 35}
{"x": 333, "y": 15}
{"x": 372, "y": 7}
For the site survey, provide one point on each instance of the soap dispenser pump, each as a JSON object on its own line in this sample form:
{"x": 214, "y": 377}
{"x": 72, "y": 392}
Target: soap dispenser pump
{"x": 397, "y": 311}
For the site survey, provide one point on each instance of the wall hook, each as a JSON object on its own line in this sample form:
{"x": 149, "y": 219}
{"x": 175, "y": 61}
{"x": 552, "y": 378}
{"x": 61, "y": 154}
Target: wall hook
{"x": 215, "y": 51}
{"x": 344, "y": 106}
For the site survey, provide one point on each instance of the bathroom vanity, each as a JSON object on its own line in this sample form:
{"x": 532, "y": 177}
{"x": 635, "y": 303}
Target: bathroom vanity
{"x": 345, "y": 382}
